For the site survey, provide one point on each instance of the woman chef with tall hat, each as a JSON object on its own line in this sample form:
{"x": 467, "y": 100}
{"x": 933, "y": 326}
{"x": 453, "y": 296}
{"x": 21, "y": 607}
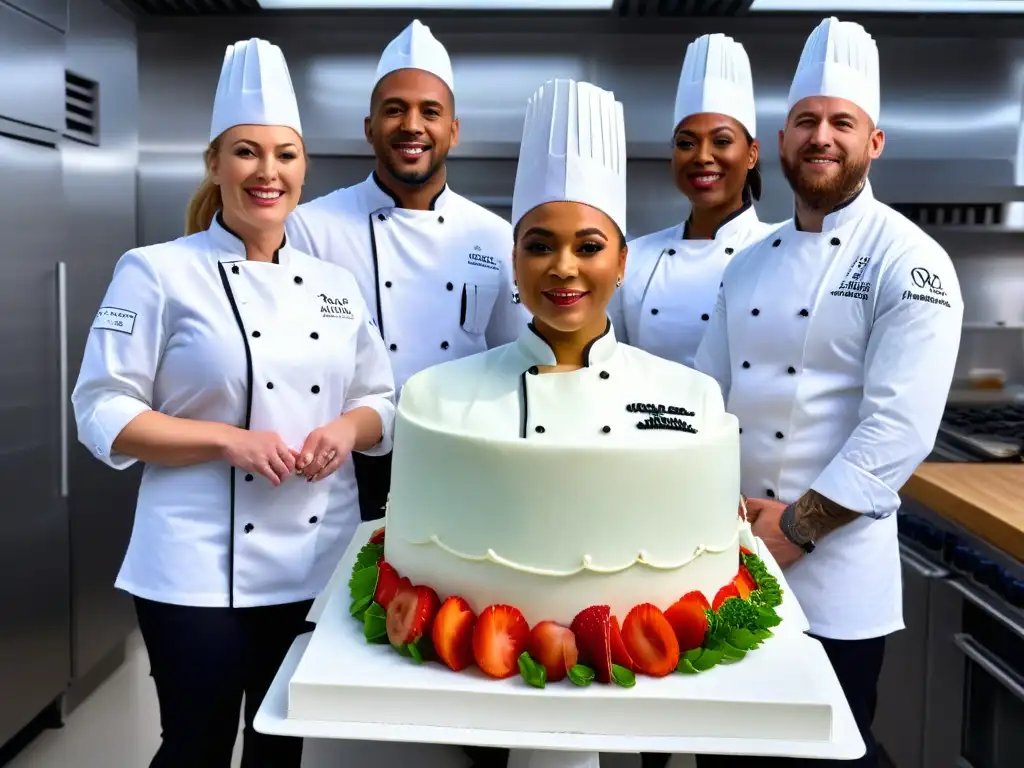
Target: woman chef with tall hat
{"x": 668, "y": 294}
{"x": 243, "y": 373}
{"x": 835, "y": 341}
{"x": 566, "y": 378}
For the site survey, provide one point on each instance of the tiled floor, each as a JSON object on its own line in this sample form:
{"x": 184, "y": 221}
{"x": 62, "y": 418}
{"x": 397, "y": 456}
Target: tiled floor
{"x": 119, "y": 727}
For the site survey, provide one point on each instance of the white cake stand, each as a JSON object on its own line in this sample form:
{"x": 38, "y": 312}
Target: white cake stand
{"x": 782, "y": 700}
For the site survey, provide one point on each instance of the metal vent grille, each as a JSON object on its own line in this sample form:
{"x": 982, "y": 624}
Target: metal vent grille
{"x": 952, "y": 214}
{"x": 679, "y": 8}
{"x": 81, "y": 104}
{"x": 195, "y": 7}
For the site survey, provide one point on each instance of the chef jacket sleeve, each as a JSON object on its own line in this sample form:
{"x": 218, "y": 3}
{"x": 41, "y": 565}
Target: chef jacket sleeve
{"x": 299, "y": 232}
{"x": 507, "y": 318}
{"x": 712, "y": 355}
{"x": 122, "y": 354}
{"x": 908, "y": 368}
{"x": 373, "y": 385}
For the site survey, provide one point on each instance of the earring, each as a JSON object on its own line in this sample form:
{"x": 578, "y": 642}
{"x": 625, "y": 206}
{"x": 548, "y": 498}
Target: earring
{"x": 515, "y": 297}
{"x": 618, "y": 282}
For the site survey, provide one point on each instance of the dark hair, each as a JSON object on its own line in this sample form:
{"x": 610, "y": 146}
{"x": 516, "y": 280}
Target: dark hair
{"x": 375, "y": 94}
{"x": 752, "y": 185}
{"x": 622, "y": 237}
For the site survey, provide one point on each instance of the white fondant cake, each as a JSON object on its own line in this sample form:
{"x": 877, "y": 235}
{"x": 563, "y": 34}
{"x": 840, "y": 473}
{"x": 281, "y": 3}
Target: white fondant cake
{"x": 503, "y": 492}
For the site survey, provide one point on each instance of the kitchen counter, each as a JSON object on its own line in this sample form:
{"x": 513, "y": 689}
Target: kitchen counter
{"x": 985, "y": 499}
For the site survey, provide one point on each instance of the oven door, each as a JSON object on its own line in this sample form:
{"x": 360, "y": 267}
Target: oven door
{"x": 978, "y": 678}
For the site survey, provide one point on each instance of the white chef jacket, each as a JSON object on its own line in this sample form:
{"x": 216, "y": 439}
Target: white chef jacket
{"x": 836, "y": 352}
{"x": 501, "y": 394}
{"x": 439, "y": 281}
{"x": 671, "y": 283}
{"x": 193, "y": 329}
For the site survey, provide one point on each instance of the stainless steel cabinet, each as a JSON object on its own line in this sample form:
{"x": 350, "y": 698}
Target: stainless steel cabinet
{"x": 903, "y": 685}
{"x": 34, "y": 547}
{"x": 52, "y": 12}
{"x": 31, "y": 71}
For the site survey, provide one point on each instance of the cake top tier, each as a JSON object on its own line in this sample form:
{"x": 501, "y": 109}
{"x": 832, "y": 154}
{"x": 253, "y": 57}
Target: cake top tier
{"x": 622, "y": 395}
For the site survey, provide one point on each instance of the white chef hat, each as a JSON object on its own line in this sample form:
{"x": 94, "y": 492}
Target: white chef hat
{"x": 254, "y": 89}
{"x": 716, "y": 78}
{"x": 573, "y": 150}
{"x": 840, "y": 59}
{"x": 416, "y": 48}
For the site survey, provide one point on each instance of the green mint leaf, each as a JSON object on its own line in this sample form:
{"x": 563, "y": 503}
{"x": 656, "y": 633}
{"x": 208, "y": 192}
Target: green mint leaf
{"x": 763, "y": 634}
{"x": 767, "y": 618}
{"x": 414, "y": 653}
{"x": 686, "y": 667}
{"x": 732, "y": 653}
{"x": 581, "y": 675}
{"x": 742, "y": 639}
{"x": 622, "y": 676}
{"x": 707, "y": 660}
{"x": 375, "y": 624}
{"x": 359, "y": 606}
{"x": 533, "y": 673}
{"x": 368, "y": 555}
{"x": 693, "y": 655}
{"x": 363, "y": 583}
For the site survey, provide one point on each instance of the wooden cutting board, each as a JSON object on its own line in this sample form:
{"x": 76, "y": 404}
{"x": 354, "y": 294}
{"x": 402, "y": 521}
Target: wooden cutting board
{"x": 986, "y": 499}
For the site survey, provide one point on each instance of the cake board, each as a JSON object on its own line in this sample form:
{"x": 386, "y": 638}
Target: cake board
{"x": 781, "y": 700}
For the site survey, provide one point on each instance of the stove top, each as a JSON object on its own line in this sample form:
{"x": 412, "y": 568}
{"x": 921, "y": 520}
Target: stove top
{"x": 981, "y": 433}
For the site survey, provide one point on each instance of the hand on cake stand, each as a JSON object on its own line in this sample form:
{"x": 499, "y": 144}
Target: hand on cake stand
{"x": 764, "y": 516}
{"x": 326, "y": 449}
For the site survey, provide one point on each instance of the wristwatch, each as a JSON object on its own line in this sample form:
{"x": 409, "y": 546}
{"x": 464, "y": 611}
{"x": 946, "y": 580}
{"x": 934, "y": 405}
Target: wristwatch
{"x": 786, "y": 525}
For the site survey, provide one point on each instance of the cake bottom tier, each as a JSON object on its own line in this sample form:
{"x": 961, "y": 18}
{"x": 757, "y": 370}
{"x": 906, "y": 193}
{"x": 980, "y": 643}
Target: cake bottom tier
{"x": 558, "y": 598}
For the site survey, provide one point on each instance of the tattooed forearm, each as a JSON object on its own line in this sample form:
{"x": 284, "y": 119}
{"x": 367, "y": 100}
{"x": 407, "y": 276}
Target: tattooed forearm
{"x": 814, "y": 516}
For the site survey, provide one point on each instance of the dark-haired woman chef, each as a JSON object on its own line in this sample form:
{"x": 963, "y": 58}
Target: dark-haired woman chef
{"x": 243, "y": 373}
{"x": 669, "y": 291}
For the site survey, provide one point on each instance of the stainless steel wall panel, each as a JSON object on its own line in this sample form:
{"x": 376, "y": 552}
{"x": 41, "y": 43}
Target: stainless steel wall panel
{"x": 31, "y": 71}
{"x": 52, "y": 12}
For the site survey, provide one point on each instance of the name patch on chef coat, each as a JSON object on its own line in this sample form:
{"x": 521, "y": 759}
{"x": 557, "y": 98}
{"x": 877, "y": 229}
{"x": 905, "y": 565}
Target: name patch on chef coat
{"x": 930, "y": 285}
{"x": 477, "y": 258}
{"x": 335, "y": 307}
{"x": 115, "y": 319}
{"x": 658, "y": 410}
{"x": 853, "y": 286}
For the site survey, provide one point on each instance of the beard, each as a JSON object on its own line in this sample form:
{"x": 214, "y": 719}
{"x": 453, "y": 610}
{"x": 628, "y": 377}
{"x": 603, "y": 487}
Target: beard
{"x": 824, "y": 194}
{"x": 413, "y": 178}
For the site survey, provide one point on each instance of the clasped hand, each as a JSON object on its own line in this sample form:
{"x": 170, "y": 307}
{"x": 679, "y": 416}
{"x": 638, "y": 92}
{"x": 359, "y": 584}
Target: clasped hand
{"x": 265, "y": 453}
{"x": 764, "y": 516}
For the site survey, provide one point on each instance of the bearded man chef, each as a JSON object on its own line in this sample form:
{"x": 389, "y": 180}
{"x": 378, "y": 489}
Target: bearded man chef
{"x": 668, "y": 295}
{"x": 834, "y": 341}
{"x": 433, "y": 266}
{"x": 243, "y": 372}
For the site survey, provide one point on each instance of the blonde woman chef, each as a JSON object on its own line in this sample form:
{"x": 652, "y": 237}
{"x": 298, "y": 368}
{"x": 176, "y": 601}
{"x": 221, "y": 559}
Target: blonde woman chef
{"x": 669, "y": 291}
{"x": 243, "y": 373}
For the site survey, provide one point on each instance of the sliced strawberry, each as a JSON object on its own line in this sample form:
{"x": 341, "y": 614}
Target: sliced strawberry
{"x": 499, "y": 639}
{"x": 453, "y": 633}
{"x": 411, "y": 613}
{"x": 554, "y": 646}
{"x": 387, "y": 584}
{"x": 377, "y": 537}
{"x": 729, "y": 590}
{"x": 620, "y": 655}
{"x": 745, "y": 551}
{"x": 688, "y": 621}
{"x": 650, "y": 641}
{"x": 744, "y": 582}
{"x": 592, "y": 628}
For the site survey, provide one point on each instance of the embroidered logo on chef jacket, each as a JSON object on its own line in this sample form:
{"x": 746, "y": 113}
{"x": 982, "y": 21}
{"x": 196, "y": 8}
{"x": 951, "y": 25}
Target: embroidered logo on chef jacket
{"x": 476, "y": 258}
{"x": 853, "y": 286}
{"x": 662, "y": 416}
{"x": 115, "y": 319}
{"x": 929, "y": 282}
{"x": 332, "y": 307}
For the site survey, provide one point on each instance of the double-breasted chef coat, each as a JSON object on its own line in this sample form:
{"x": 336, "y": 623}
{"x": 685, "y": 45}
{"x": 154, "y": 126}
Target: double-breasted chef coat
{"x": 836, "y": 351}
{"x": 439, "y": 281}
{"x": 501, "y": 393}
{"x": 671, "y": 283}
{"x": 193, "y": 329}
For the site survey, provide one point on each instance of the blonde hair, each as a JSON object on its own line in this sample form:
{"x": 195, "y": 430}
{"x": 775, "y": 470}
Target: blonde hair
{"x": 206, "y": 200}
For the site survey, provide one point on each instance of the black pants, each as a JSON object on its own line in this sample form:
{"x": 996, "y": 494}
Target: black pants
{"x": 202, "y": 661}
{"x": 857, "y": 664}
{"x": 373, "y": 479}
